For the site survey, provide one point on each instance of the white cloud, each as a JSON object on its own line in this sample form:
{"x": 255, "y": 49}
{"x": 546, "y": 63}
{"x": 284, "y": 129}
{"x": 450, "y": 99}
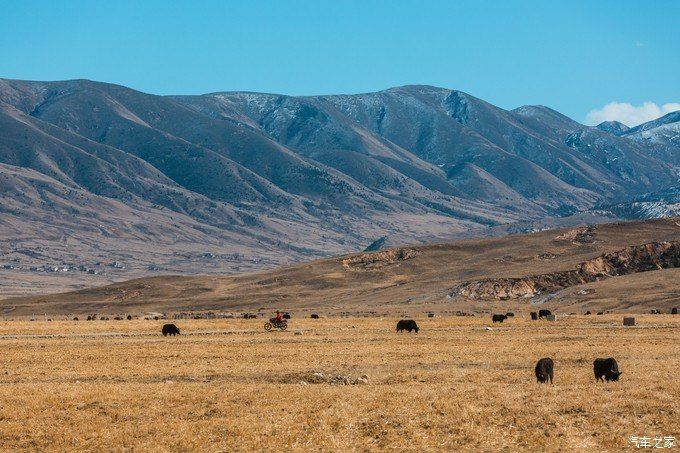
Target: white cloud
{"x": 629, "y": 114}
{"x": 639, "y": 44}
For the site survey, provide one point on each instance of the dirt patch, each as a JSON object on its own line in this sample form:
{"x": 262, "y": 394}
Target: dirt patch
{"x": 548, "y": 256}
{"x": 505, "y": 259}
{"x": 319, "y": 377}
{"x": 582, "y": 235}
{"x": 640, "y": 258}
{"x": 377, "y": 260}
{"x": 127, "y": 295}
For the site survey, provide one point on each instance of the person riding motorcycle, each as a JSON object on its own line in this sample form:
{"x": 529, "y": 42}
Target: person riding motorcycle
{"x": 278, "y": 321}
{"x": 279, "y": 317}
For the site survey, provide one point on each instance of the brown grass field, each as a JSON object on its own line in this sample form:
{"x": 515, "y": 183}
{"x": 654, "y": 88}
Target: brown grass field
{"x": 227, "y": 385}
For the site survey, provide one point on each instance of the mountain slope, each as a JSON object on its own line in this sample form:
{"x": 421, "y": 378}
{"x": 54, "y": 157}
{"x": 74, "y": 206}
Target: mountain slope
{"x": 664, "y": 203}
{"x": 663, "y": 131}
{"x": 273, "y": 179}
{"x": 528, "y": 151}
{"x": 414, "y": 279}
{"x": 613, "y": 127}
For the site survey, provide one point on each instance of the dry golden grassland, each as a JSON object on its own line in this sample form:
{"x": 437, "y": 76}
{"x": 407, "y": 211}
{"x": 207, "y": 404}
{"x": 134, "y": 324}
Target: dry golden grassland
{"x": 227, "y": 385}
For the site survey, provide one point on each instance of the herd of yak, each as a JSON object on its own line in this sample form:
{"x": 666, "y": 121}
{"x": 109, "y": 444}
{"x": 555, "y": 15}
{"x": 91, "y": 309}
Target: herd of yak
{"x": 604, "y": 369}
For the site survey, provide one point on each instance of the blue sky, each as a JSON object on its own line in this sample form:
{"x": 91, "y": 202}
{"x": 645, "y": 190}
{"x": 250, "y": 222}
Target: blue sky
{"x": 573, "y": 56}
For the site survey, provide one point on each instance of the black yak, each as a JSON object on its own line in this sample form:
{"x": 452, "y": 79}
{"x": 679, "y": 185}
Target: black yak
{"x": 606, "y": 369}
{"x": 498, "y": 318}
{"x": 407, "y": 324}
{"x": 544, "y": 313}
{"x": 544, "y": 370}
{"x": 170, "y": 329}
{"x": 534, "y": 316}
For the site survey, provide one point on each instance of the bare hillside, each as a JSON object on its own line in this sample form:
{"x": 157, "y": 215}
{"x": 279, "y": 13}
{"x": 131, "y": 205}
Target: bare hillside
{"x": 233, "y": 182}
{"x": 418, "y": 278}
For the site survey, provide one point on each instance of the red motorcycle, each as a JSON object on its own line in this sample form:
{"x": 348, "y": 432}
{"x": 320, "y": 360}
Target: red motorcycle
{"x": 273, "y": 324}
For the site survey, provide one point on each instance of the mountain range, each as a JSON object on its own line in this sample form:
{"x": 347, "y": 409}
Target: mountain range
{"x": 92, "y": 172}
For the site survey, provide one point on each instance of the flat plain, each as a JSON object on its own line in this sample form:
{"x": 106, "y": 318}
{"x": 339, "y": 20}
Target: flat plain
{"x": 227, "y": 385}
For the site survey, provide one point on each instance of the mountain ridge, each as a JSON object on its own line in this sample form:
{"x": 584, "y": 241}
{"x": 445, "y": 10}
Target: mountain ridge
{"x": 288, "y": 178}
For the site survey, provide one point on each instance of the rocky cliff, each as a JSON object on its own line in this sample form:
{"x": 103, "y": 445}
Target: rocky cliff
{"x": 639, "y": 258}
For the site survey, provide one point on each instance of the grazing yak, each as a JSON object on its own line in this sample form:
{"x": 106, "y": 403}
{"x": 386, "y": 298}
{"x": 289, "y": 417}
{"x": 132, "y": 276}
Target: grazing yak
{"x": 170, "y": 329}
{"x": 534, "y": 316}
{"x": 606, "y": 369}
{"x": 544, "y": 313}
{"x": 407, "y": 324}
{"x": 499, "y": 318}
{"x": 544, "y": 370}
{"x": 509, "y": 314}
